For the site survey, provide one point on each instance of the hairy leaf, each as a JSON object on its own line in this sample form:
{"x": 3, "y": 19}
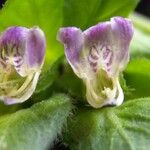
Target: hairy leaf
{"x": 110, "y": 128}
{"x": 35, "y": 128}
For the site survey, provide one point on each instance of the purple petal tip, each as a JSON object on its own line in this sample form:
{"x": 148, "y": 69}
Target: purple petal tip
{"x": 36, "y": 45}
{"x": 72, "y": 39}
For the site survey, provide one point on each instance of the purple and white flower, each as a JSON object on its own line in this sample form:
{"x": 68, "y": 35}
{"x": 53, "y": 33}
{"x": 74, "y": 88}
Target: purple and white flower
{"x": 97, "y": 56}
{"x": 22, "y": 52}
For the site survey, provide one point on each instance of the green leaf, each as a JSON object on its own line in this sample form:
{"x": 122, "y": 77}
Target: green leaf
{"x": 111, "y": 128}
{"x": 137, "y": 76}
{"x": 47, "y": 14}
{"x": 83, "y": 13}
{"x": 35, "y": 128}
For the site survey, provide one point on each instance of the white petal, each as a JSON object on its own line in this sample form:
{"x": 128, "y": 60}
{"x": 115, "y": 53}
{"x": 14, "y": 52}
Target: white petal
{"x": 24, "y": 92}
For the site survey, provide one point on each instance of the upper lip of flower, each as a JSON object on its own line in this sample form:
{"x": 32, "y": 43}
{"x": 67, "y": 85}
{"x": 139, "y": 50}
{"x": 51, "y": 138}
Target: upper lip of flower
{"x": 22, "y": 50}
{"x": 101, "y": 48}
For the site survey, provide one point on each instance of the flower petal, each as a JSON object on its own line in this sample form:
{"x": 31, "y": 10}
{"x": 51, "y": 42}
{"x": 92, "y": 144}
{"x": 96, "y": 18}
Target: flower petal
{"x": 35, "y": 50}
{"x": 24, "y": 48}
{"x": 72, "y": 39}
{"x": 12, "y": 47}
{"x": 24, "y": 92}
{"x": 22, "y": 51}
{"x": 97, "y": 56}
{"x": 122, "y": 31}
{"x": 108, "y": 45}
{"x": 13, "y": 37}
{"x": 103, "y": 90}
{"x": 97, "y": 42}
{"x": 97, "y": 35}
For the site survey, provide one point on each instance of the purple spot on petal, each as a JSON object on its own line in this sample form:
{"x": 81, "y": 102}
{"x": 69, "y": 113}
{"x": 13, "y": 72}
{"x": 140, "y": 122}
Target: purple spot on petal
{"x": 106, "y": 53}
{"x": 93, "y": 58}
{"x": 18, "y": 66}
{"x": 17, "y": 61}
{"x": 93, "y": 64}
{"x": 94, "y": 53}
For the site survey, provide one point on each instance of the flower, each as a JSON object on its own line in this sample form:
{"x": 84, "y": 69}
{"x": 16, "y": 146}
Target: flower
{"x": 22, "y": 52}
{"x": 98, "y": 56}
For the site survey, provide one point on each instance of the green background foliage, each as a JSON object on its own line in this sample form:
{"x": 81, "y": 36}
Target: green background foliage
{"x": 37, "y": 123}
